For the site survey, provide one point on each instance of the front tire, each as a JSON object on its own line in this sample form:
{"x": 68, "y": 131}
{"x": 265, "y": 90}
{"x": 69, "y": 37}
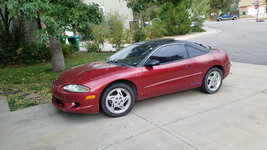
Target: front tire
{"x": 212, "y": 81}
{"x": 117, "y": 100}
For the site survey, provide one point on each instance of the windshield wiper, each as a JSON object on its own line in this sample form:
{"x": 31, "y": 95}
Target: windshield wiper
{"x": 116, "y": 62}
{"x": 112, "y": 61}
{"x": 124, "y": 64}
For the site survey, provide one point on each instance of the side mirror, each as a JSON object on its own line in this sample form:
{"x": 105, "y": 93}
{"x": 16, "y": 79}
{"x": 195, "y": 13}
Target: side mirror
{"x": 152, "y": 63}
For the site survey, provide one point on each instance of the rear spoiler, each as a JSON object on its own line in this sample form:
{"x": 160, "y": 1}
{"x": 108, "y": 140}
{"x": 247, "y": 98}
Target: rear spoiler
{"x": 208, "y": 47}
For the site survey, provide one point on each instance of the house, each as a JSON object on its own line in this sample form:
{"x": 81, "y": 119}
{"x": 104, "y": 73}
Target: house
{"x": 113, "y": 6}
{"x": 246, "y": 7}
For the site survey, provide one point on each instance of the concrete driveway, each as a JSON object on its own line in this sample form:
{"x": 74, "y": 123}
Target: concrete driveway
{"x": 233, "y": 119}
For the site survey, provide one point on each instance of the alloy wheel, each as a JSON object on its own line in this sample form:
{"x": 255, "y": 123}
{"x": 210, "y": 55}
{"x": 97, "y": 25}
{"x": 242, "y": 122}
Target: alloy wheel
{"x": 118, "y": 100}
{"x": 214, "y": 80}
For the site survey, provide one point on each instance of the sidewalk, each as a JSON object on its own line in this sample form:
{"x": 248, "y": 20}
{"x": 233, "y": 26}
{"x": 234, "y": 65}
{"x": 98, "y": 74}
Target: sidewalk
{"x": 108, "y": 47}
{"x": 194, "y": 35}
{"x": 232, "y": 119}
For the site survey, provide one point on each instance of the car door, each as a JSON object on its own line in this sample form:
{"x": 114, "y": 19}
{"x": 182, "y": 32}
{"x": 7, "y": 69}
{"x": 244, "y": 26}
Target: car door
{"x": 224, "y": 17}
{"x": 172, "y": 73}
{"x": 228, "y": 17}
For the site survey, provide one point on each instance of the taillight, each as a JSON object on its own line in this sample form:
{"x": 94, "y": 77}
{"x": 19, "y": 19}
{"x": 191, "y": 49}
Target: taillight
{"x": 227, "y": 58}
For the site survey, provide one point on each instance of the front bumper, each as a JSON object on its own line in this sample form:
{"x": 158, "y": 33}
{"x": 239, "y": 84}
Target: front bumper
{"x": 74, "y": 102}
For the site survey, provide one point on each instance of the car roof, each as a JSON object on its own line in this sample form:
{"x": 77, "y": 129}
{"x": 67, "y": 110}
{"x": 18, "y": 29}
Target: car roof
{"x": 160, "y": 42}
{"x": 156, "y": 43}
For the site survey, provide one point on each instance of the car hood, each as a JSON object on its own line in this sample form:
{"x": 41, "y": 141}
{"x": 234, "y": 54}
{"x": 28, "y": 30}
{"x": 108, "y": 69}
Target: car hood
{"x": 84, "y": 73}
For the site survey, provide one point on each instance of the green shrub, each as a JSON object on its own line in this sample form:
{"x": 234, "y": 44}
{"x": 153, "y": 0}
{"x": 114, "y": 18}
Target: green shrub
{"x": 100, "y": 32}
{"x": 115, "y": 26}
{"x": 199, "y": 14}
{"x": 116, "y": 37}
{"x": 67, "y": 49}
{"x": 156, "y": 30}
{"x": 26, "y": 54}
{"x": 198, "y": 29}
{"x": 175, "y": 19}
{"x": 30, "y": 53}
{"x": 92, "y": 47}
{"x": 139, "y": 34}
{"x": 128, "y": 36}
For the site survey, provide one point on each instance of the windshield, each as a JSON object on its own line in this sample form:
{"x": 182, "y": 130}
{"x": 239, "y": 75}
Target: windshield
{"x": 131, "y": 55}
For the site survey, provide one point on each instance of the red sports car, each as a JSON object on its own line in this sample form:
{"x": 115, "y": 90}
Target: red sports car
{"x": 139, "y": 71}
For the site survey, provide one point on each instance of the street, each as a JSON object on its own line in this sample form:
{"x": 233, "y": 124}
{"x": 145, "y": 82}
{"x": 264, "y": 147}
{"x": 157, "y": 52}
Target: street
{"x": 245, "y": 40}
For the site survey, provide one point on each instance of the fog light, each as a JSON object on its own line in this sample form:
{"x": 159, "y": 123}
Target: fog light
{"x": 90, "y": 97}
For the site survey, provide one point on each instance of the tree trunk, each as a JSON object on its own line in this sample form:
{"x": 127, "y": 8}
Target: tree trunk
{"x": 58, "y": 63}
{"x": 39, "y": 21}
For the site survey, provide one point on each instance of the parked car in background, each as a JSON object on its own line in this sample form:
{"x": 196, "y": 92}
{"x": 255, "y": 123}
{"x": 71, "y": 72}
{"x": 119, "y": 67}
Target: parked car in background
{"x": 227, "y": 17}
{"x": 137, "y": 72}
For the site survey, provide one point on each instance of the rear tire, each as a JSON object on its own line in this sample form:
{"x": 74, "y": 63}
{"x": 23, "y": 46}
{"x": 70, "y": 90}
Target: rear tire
{"x": 117, "y": 100}
{"x": 212, "y": 81}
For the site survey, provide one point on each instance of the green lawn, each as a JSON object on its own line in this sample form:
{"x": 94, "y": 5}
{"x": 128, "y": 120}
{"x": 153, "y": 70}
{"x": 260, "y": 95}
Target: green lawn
{"x": 31, "y": 85}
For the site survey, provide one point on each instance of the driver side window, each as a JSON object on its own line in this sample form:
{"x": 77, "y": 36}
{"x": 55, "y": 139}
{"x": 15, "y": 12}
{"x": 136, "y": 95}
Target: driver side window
{"x": 170, "y": 53}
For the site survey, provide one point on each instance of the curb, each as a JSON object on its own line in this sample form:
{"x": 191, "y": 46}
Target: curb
{"x": 4, "y": 108}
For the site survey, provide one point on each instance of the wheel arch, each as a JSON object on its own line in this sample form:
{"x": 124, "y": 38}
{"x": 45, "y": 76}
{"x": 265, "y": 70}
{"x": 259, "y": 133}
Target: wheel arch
{"x": 219, "y": 67}
{"x": 214, "y": 66}
{"x": 202, "y": 88}
{"x": 125, "y": 81}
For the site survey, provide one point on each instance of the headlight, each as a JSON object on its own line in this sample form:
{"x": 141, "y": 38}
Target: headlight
{"x": 76, "y": 88}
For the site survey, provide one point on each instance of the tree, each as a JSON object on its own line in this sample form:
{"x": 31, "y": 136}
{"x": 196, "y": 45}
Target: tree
{"x": 199, "y": 13}
{"x": 234, "y": 7}
{"x": 226, "y": 6}
{"x": 139, "y": 8}
{"x": 58, "y": 16}
{"x": 175, "y": 18}
{"x": 138, "y": 5}
{"x": 174, "y": 2}
{"x": 216, "y": 5}
{"x": 147, "y": 9}
{"x": 12, "y": 22}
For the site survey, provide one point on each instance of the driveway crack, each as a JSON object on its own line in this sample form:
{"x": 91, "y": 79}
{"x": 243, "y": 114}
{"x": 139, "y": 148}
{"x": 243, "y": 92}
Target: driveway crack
{"x": 172, "y": 135}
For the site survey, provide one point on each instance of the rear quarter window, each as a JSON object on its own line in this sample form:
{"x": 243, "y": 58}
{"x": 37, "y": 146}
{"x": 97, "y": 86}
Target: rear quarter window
{"x": 194, "y": 52}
